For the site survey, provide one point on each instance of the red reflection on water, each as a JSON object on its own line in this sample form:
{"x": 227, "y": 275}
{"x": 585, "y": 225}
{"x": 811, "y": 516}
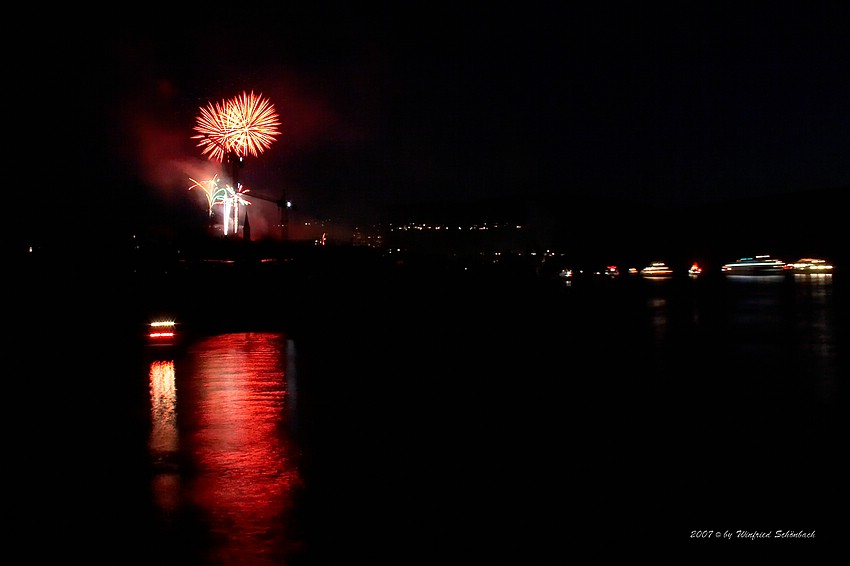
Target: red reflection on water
{"x": 244, "y": 467}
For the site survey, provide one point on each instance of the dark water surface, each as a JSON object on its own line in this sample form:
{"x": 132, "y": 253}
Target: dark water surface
{"x": 426, "y": 418}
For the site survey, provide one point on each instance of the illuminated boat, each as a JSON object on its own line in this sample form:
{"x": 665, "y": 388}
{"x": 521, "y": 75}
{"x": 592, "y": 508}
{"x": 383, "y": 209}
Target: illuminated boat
{"x": 694, "y": 270}
{"x": 565, "y": 274}
{"x": 609, "y": 271}
{"x": 756, "y": 265}
{"x": 162, "y": 333}
{"x": 657, "y": 269}
{"x": 811, "y": 265}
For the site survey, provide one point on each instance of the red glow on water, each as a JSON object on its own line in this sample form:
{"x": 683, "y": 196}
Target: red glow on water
{"x": 235, "y": 404}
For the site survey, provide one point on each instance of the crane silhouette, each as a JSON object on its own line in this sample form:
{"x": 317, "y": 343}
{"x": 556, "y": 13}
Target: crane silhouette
{"x": 283, "y": 206}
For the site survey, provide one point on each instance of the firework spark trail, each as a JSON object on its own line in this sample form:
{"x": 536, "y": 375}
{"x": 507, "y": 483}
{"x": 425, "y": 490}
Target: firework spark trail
{"x": 228, "y": 131}
{"x": 213, "y": 123}
{"x": 245, "y": 124}
{"x": 227, "y": 197}
{"x": 210, "y": 189}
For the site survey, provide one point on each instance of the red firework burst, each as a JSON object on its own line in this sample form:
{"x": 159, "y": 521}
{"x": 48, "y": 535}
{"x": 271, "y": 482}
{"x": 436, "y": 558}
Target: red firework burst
{"x": 244, "y": 124}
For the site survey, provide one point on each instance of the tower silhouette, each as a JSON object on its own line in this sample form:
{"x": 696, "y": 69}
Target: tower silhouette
{"x": 246, "y": 227}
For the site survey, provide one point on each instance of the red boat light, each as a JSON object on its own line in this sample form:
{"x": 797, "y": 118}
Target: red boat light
{"x": 161, "y": 335}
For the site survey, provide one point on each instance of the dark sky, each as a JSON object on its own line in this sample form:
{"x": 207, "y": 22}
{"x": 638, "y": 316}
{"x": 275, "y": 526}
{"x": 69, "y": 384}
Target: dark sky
{"x": 679, "y": 103}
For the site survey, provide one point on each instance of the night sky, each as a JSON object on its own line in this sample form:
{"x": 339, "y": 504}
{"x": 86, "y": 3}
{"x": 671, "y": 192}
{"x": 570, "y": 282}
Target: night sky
{"x": 677, "y": 104}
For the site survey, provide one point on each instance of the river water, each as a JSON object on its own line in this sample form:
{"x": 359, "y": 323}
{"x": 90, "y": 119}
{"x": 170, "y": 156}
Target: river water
{"x": 462, "y": 420}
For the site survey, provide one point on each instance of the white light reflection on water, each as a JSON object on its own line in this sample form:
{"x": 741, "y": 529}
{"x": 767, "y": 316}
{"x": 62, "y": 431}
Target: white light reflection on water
{"x": 815, "y": 328}
{"x": 239, "y": 467}
{"x": 163, "y": 436}
{"x": 163, "y": 440}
